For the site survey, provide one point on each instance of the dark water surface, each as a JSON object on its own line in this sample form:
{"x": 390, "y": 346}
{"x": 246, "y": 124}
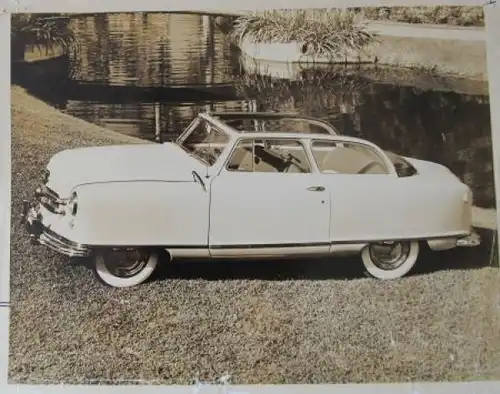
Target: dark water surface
{"x": 159, "y": 50}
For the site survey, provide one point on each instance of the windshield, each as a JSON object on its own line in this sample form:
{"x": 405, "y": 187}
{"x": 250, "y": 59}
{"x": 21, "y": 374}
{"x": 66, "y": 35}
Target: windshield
{"x": 402, "y": 166}
{"x": 204, "y": 142}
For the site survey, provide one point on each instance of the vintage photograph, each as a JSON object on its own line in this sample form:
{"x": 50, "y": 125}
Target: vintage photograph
{"x": 281, "y": 196}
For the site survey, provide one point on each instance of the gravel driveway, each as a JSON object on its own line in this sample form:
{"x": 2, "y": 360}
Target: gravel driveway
{"x": 261, "y": 322}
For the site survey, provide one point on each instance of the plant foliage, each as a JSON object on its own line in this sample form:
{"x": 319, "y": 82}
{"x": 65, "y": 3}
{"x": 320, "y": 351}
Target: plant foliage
{"x": 321, "y": 33}
{"x": 441, "y": 15}
{"x": 44, "y": 31}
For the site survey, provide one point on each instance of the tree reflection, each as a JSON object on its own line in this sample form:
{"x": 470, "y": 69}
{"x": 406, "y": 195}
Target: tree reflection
{"x": 445, "y": 127}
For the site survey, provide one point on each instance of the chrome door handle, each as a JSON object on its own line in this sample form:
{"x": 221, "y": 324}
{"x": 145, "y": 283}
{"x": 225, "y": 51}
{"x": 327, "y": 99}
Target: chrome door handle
{"x": 316, "y": 188}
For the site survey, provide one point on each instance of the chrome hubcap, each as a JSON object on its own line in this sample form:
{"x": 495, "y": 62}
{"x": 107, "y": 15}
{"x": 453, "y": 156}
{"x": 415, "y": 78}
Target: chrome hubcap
{"x": 389, "y": 256}
{"x": 126, "y": 263}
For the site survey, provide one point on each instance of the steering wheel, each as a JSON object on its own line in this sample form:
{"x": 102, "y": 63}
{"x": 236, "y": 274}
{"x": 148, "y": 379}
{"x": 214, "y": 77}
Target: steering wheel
{"x": 291, "y": 157}
{"x": 290, "y": 162}
{"x": 287, "y": 168}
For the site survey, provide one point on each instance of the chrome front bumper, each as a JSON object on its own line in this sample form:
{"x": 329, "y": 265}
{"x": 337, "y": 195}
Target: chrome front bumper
{"x": 471, "y": 240}
{"x": 42, "y": 235}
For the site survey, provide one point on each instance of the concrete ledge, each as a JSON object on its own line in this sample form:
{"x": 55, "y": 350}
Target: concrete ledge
{"x": 420, "y": 30}
{"x": 484, "y": 218}
{"x": 421, "y": 79}
{"x": 445, "y": 50}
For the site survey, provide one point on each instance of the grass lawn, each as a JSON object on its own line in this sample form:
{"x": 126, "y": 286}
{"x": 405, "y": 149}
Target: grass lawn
{"x": 261, "y": 322}
{"x": 439, "y": 15}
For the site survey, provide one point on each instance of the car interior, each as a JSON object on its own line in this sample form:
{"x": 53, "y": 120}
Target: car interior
{"x": 348, "y": 159}
{"x": 269, "y": 156}
{"x": 290, "y": 156}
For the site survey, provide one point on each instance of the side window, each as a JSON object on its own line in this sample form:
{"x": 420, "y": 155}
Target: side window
{"x": 269, "y": 155}
{"x": 347, "y": 158}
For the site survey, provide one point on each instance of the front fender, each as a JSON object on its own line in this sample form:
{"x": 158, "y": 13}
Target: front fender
{"x": 145, "y": 213}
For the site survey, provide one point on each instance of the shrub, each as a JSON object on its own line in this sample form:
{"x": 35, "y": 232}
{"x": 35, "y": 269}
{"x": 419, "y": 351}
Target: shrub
{"x": 335, "y": 32}
{"x": 44, "y": 31}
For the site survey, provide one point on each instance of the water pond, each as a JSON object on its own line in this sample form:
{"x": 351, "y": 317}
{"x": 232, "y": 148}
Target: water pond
{"x": 143, "y": 53}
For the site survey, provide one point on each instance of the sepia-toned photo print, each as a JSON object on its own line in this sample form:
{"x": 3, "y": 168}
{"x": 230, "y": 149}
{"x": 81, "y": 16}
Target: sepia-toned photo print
{"x": 300, "y": 196}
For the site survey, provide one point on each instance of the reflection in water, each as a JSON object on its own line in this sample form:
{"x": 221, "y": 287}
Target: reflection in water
{"x": 140, "y": 120}
{"x": 445, "y": 127}
{"x": 152, "y": 49}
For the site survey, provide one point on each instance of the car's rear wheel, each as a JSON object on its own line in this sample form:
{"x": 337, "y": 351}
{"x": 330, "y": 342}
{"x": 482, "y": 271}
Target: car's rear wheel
{"x": 126, "y": 267}
{"x": 390, "y": 260}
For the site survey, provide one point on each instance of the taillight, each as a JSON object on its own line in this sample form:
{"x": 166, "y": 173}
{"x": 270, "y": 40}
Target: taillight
{"x": 468, "y": 197}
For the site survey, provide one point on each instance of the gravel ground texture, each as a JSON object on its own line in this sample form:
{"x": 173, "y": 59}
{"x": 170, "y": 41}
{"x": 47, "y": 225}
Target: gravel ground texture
{"x": 260, "y": 322}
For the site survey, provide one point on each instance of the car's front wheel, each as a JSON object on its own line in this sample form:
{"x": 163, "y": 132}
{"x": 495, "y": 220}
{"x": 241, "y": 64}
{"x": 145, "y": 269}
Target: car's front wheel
{"x": 125, "y": 268}
{"x": 390, "y": 260}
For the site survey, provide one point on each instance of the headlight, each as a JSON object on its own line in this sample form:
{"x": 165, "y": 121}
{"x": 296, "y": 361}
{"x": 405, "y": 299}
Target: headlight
{"x": 72, "y": 206}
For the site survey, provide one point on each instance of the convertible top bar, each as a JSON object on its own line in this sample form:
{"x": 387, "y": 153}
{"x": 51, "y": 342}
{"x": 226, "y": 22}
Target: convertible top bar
{"x": 271, "y": 116}
{"x": 262, "y": 115}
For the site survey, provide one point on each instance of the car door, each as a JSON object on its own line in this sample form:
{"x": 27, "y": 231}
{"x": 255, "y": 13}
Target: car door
{"x": 368, "y": 200}
{"x": 186, "y": 204}
{"x": 264, "y": 205}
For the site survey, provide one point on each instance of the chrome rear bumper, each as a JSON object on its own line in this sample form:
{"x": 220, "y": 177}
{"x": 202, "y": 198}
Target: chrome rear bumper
{"x": 42, "y": 235}
{"x": 471, "y": 240}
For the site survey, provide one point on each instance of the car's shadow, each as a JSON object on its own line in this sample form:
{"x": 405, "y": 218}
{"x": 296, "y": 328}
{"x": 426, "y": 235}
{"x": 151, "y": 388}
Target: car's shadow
{"x": 324, "y": 268}
{"x": 282, "y": 269}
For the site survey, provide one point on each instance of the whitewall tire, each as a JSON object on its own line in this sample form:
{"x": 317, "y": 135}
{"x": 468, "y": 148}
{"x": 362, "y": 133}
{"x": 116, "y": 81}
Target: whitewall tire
{"x": 125, "y": 268}
{"x": 390, "y": 260}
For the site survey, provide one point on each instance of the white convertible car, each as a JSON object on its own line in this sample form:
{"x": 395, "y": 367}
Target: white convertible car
{"x": 247, "y": 186}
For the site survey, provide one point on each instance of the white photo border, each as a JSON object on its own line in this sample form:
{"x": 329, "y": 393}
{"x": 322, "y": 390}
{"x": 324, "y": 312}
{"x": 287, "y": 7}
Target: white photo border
{"x": 492, "y": 17}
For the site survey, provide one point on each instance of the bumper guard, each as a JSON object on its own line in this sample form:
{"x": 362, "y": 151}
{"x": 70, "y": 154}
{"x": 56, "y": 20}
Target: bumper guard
{"x": 42, "y": 235}
{"x": 471, "y": 240}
